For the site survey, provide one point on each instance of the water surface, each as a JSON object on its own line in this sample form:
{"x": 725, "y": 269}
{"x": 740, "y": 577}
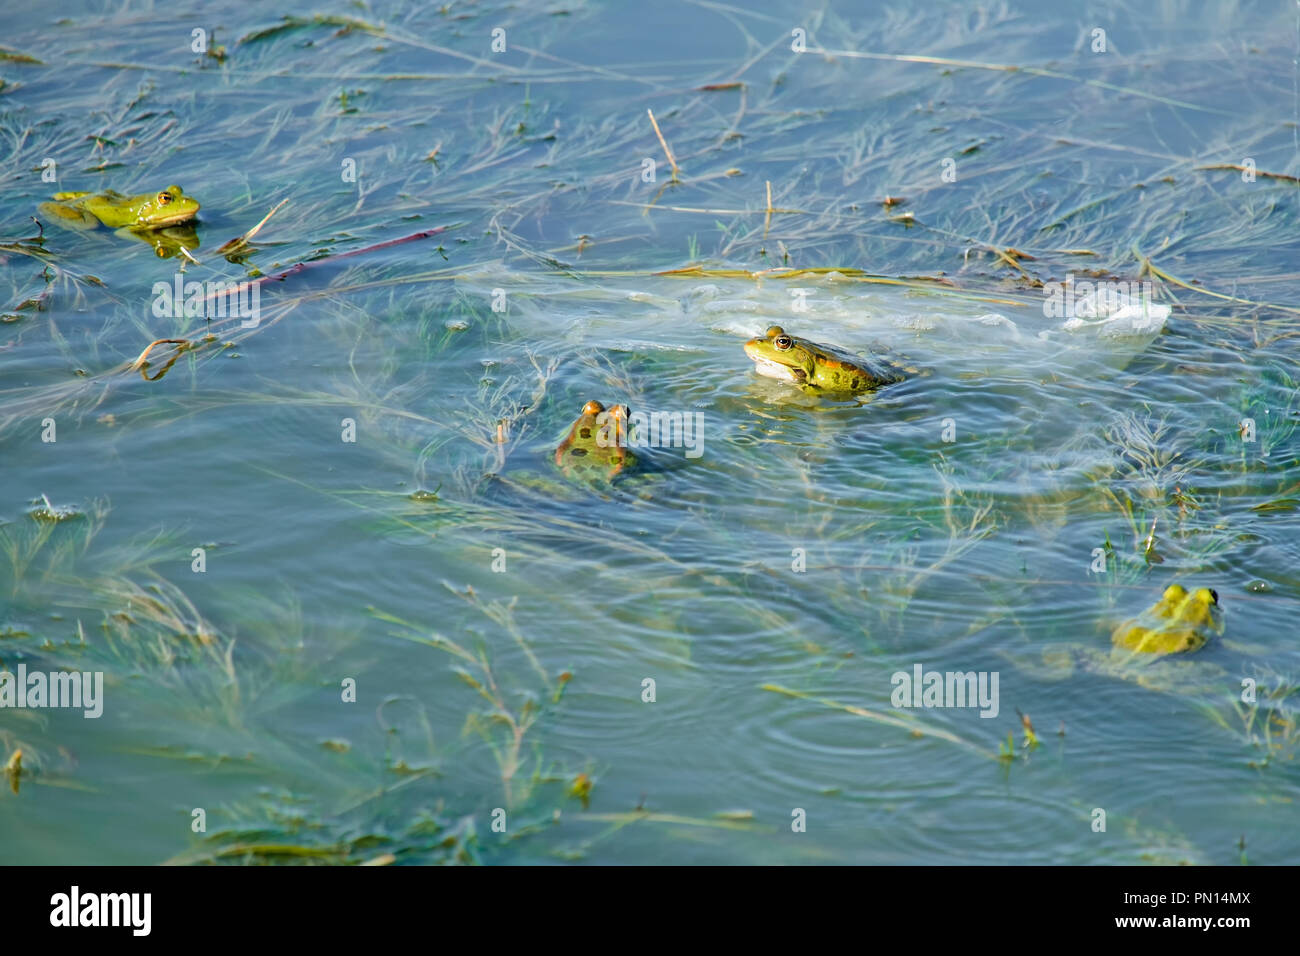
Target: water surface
{"x": 500, "y": 623}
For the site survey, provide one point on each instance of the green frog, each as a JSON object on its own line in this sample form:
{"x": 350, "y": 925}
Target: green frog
{"x": 819, "y": 369}
{"x": 595, "y": 455}
{"x": 596, "y": 447}
{"x": 1178, "y": 622}
{"x": 1151, "y": 650}
{"x": 85, "y": 210}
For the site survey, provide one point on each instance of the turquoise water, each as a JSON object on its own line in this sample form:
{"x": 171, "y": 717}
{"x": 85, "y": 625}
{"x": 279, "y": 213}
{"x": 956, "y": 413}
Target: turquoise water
{"x": 500, "y": 622}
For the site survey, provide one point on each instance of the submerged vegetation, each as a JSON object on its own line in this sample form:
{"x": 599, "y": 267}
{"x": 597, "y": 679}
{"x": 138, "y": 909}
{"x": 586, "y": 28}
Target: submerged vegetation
{"x": 456, "y": 247}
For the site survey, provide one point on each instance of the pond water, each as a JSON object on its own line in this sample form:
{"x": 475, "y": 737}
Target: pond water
{"x": 344, "y": 603}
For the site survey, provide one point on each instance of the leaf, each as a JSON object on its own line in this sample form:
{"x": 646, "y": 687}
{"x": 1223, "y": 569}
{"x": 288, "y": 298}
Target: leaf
{"x": 320, "y": 20}
{"x": 15, "y": 57}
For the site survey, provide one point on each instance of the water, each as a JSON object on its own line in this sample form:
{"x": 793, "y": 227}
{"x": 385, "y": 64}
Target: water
{"x": 499, "y": 623}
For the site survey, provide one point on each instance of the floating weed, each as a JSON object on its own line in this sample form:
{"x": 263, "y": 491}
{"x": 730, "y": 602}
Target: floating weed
{"x": 45, "y": 511}
{"x": 282, "y": 829}
{"x": 401, "y": 741}
{"x": 1270, "y": 723}
{"x": 1150, "y": 479}
{"x": 581, "y": 788}
{"x": 1160, "y": 847}
{"x": 1031, "y": 738}
{"x": 35, "y": 759}
{"x": 951, "y": 527}
{"x": 13, "y": 56}
{"x": 1007, "y": 750}
{"x": 1270, "y": 415}
{"x": 32, "y": 554}
{"x": 13, "y": 769}
{"x": 289, "y": 23}
{"x": 509, "y": 716}
{"x": 111, "y": 609}
{"x": 725, "y": 822}
{"x": 915, "y": 727}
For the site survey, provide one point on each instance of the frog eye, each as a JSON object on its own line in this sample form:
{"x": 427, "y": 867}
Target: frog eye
{"x": 783, "y": 343}
{"x": 164, "y": 198}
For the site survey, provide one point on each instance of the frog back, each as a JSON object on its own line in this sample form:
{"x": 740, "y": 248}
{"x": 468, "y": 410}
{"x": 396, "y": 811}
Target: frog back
{"x": 838, "y": 371}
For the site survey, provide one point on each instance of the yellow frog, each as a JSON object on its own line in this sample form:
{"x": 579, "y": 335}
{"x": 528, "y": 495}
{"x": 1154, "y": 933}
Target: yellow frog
{"x": 1178, "y": 622}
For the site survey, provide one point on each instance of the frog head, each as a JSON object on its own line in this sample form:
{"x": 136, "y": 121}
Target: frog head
{"x": 1180, "y": 621}
{"x": 166, "y": 208}
{"x": 781, "y": 356}
{"x": 596, "y": 446}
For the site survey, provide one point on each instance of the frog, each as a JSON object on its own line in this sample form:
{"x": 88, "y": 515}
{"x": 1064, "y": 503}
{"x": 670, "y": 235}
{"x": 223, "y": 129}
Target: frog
{"x": 1152, "y": 650}
{"x": 820, "y": 370}
{"x": 596, "y": 446}
{"x": 145, "y": 211}
{"x": 594, "y": 456}
{"x": 1179, "y": 622}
